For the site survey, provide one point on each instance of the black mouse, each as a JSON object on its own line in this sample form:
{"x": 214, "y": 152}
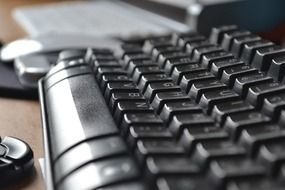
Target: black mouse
{"x": 16, "y": 160}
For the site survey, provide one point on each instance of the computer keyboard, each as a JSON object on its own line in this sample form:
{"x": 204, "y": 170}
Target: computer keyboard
{"x": 172, "y": 112}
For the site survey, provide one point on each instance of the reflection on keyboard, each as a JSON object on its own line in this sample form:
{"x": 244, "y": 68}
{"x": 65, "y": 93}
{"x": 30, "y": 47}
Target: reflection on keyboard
{"x": 177, "y": 112}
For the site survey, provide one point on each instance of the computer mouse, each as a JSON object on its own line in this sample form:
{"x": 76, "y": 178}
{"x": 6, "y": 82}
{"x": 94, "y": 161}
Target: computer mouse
{"x": 48, "y": 43}
{"x": 16, "y": 160}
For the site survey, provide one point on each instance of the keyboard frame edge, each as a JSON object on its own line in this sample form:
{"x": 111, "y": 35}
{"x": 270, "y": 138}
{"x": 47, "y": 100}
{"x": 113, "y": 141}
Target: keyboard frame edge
{"x": 47, "y": 173}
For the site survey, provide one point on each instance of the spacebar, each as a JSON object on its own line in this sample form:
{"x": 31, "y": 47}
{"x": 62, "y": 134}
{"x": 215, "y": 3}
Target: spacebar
{"x": 76, "y": 109}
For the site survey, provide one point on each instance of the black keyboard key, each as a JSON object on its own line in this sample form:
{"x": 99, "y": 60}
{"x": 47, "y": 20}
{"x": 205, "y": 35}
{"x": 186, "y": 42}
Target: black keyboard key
{"x": 179, "y": 70}
{"x": 109, "y": 171}
{"x": 257, "y": 93}
{"x": 200, "y": 87}
{"x": 160, "y": 166}
{"x": 217, "y": 33}
{"x": 263, "y": 57}
{"x": 210, "y": 99}
{"x": 114, "y": 70}
{"x": 137, "y": 119}
{"x": 273, "y": 105}
{"x": 203, "y": 133}
{"x": 166, "y": 97}
{"x": 230, "y": 74}
{"x": 106, "y": 78}
{"x": 134, "y": 57}
{"x": 157, "y": 147}
{"x": 131, "y": 106}
{"x": 230, "y": 36}
{"x": 282, "y": 118}
{"x": 140, "y": 71}
{"x": 242, "y": 83}
{"x": 208, "y": 59}
{"x": 189, "y": 39}
{"x": 222, "y": 110}
{"x": 272, "y": 154}
{"x": 181, "y": 121}
{"x": 254, "y": 136}
{"x": 238, "y": 43}
{"x": 124, "y": 96}
{"x": 277, "y": 68}
{"x": 215, "y": 149}
{"x": 223, "y": 171}
{"x": 125, "y": 186}
{"x": 150, "y": 44}
{"x": 130, "y": 48}
{"x": 139, "y": 63}
{"x": 191, "y": 46}
{"x": 152, "y": 78}
{"x": 179, "y": 37}
{"x": 190, "y": 77}
{"x": 250, "y": 48}
{"x": 236, "y": 122}
{"x": 113, "y": 87}
{"x": 163, "y": 50}
{"x": 104, "y": 57}
{"x": 171, "y": 63}
{"x": 138, "y": 132}
{"x": 104, "y": 64}
{"x": 152, "y": 130}
{"x": 218, "y": 67}
{"x": 162, "y": 58}
{"x": 255, "y": 184}
{"x": 200, "y": 52}
{"x": 186, "y": 182}
{"x": 92, "y": 53}
{"x": 172, "y": 108}
{"x": 153, "y": 88}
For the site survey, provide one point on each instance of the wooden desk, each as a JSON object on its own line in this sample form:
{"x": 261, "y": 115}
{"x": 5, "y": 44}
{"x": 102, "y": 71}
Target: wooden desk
{"x": 21, "y": 118}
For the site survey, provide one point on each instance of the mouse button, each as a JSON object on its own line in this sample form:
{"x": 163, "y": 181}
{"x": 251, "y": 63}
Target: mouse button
{"x": 3, "y": 150}
{"x": 17, "y": 151}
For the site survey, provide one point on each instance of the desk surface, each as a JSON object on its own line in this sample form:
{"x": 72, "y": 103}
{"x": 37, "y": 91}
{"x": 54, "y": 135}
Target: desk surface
{"x": 21, "y": 118}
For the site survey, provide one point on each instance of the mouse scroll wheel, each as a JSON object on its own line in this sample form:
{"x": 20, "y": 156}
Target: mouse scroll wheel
{"x": 3, "y": 150}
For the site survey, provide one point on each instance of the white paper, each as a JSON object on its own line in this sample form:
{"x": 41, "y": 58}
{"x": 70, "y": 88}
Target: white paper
{"x": 98, "y": 18}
